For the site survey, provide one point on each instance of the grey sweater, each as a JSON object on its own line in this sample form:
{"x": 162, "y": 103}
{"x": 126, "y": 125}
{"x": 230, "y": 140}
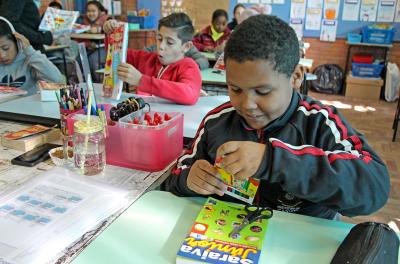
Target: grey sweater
{"x": 28, "y": 67}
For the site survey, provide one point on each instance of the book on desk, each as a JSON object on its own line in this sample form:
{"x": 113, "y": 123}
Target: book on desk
{"x": 209, "y": 240}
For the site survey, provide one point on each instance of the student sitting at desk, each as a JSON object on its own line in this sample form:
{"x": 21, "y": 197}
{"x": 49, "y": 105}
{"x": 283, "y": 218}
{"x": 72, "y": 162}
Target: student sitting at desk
{"x": 213, "y": 37}
{"x": 96, "y": 16}
{"x": 309, "y": 159}
{"x": 167, "y": 73}
{"x": 20, "y": 65}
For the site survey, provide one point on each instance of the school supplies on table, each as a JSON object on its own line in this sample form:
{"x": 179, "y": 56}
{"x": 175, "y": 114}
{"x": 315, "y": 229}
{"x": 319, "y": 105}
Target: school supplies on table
{"x": 80, "y": 28}
{"x": 58, "y": 21}
{"x": 209, "y": 241}
{"x": 116, "y": 54}
{"x": 29, "y": 138}
{"x": 8, "y": 93}
{"x": 244, "y": 190}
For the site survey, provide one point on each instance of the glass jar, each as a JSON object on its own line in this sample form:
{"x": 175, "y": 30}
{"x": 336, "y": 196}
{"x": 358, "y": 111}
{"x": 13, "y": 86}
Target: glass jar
{"x": 89, "y": 147}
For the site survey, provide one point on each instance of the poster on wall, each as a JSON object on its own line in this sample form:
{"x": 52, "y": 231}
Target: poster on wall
{"x": 314, "y": 4}
{"x": 298, "y": 9}
{"x": 279, "y": 2}
{"x": 328, "y": 30}
{"x": 331, "y": 9}
{"x": 386, "y": 9}
{"x": 368, "y": 10}
{"x": 397, "y": 13}
{"x": 313, "y": 19}
{"x": 266, "y": 1}
{"x": 297, "y": 25}
{"x": 351, "y": 9}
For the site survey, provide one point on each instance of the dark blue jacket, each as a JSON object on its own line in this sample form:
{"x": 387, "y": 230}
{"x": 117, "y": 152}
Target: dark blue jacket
{"x": 315, "y": 164}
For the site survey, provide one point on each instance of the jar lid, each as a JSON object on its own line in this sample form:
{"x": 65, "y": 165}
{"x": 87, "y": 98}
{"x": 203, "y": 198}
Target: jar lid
{"x": 85, "y": 128}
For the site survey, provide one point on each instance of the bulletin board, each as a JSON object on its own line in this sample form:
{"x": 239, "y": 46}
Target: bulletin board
{"x": 283, "y": 11}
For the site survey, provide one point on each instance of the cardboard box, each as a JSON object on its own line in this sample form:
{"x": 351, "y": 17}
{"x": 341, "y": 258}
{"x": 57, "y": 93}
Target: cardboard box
{"x": 28, "y": 143}
{"x": 368, "y": 88}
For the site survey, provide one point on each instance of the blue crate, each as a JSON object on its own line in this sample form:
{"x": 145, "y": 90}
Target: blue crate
{"x": 377, "y": 35}
{"x": 366, "y": 70}
{"x": 144, "y": 21}
{"x": 354, "y": 38}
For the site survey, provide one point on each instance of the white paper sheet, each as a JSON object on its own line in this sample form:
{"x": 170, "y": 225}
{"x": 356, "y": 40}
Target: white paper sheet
{"x": 331, "y": 9}
{"x": 297, "y": 25}
{"x": 314, "y": 4}
{"x": 368, "y": 10}
{"x": 351, "y": 10}
{"x": 313, "y": 18}
{"x": 281, "y": 2}
{"x": 48, "y": 213}
{"x": 298, "y": 9}
{"x": 397, "y": 13}
{"x": 386, "y": 10}
{"x": 328, "y": 30}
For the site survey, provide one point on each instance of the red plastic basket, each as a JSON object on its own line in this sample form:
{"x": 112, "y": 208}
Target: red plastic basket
{"x": 363, "y": 58}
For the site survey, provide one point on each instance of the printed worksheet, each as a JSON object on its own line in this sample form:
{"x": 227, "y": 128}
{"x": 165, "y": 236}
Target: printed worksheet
{"x": 297, "y": 25}
{"x": 368, "y": 10}
{"x": 397, "y": 13}
{"x": 313, "y": 19}
{"x": 386, "y": 10}
{"x": 298, "y": 9}
{"x": 314, "y": 4}
{"x": 328, "y": 30}
{"x": 331, "y": 9}
{"x": 56, "y": 204}
{"x": 351, "y": 9}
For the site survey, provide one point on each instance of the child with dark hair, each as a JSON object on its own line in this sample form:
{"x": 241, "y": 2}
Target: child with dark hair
{"x": 56, "y": 5}
{"x": 20, "y": 65}
{"x": 25, "y": 17}
{"x": 213, "y": 37}
{"x": 166, "y": 73}
{"x": 308, "y": 158}
{"x": 237, "y": 11}
{"x": 96, "y": 16}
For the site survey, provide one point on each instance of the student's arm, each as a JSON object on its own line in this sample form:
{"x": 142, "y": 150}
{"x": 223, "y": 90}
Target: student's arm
{"x": 41, "y": 67}
{"x": 177, "y": 181}
{"x": 198, "y": 42}
{"x": 199, "y": 58}
{"x": 338, "y": 170}
{"x": 12, "y": 10}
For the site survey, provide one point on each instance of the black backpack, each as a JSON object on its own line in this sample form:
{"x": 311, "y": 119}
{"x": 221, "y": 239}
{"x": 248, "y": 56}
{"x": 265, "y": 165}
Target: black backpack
{"x": 329, "y": 79}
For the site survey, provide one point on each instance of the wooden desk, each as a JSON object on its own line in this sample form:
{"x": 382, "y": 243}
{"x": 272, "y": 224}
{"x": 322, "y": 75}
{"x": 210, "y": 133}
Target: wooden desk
{"x": 53, "y": 48}
{"x": 153, "y": 228}
{"x": 31, "y": 109}
{"x": 97, "y": 38}
{"x": 88, "y": 36}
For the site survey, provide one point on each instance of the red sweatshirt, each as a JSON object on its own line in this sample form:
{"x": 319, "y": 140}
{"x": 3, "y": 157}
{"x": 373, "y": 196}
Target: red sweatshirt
{"x": 179, "y": 82}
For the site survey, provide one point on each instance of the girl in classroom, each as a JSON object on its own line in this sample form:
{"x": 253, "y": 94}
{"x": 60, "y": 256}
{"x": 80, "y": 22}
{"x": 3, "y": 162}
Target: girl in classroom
{"x": 96, "y": 16}
{"x": 213, "y": 37}
{"x": 22, "y": 66}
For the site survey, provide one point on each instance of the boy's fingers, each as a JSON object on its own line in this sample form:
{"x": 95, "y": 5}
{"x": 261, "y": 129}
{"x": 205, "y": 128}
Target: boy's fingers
{"x": 208, "y": 168}
{"x": 227, "y": 148}
{"x": 233, "y": 168}
{"x": 205, "y": 185}
{"x": 229, "y": 159}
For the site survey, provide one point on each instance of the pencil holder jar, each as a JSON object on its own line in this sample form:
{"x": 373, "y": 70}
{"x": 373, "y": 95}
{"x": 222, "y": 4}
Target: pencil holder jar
{"x": 89, "y": 147}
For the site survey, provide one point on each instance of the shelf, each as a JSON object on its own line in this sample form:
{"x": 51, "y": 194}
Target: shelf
{"x": 369, "y": 44}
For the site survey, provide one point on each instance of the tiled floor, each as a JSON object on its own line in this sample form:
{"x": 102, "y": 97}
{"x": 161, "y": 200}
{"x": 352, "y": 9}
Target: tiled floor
{"x": 374, "y": 119}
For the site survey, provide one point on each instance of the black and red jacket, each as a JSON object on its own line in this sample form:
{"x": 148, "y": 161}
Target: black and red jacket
{"x": 316, "y": 164}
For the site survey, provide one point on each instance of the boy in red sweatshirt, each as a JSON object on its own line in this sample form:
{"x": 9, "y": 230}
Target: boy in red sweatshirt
{"x": 166, "y": 73}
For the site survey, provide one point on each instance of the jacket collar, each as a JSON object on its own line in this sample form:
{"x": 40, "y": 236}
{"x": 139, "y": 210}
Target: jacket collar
{"x": 283, "y": 119}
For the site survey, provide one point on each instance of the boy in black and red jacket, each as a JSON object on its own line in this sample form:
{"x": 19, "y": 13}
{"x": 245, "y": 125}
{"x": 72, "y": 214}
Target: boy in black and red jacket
{"x": 309, "y": 159}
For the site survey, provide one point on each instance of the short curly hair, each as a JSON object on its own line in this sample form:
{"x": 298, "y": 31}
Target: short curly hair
{"x": 264, "y": 37}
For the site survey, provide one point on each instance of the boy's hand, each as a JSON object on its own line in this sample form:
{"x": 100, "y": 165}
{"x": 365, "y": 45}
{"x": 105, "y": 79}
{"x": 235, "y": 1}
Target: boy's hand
{"x": 209, "y": 49}
{"x": 129, "y": 74}
{"x": 110, "y": 25}
{"x": 241, "y": 158}
{"x": 203, "y": 179}
{"x": 25, "y": 42}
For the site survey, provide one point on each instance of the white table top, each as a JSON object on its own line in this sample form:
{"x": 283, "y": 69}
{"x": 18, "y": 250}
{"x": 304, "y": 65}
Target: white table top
{"x": 32, "y": 106}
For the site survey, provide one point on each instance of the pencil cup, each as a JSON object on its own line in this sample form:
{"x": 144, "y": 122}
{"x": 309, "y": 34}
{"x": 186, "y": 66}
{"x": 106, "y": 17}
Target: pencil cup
{"x": 64, "y": 113}
{"x": 89, "y": 147}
